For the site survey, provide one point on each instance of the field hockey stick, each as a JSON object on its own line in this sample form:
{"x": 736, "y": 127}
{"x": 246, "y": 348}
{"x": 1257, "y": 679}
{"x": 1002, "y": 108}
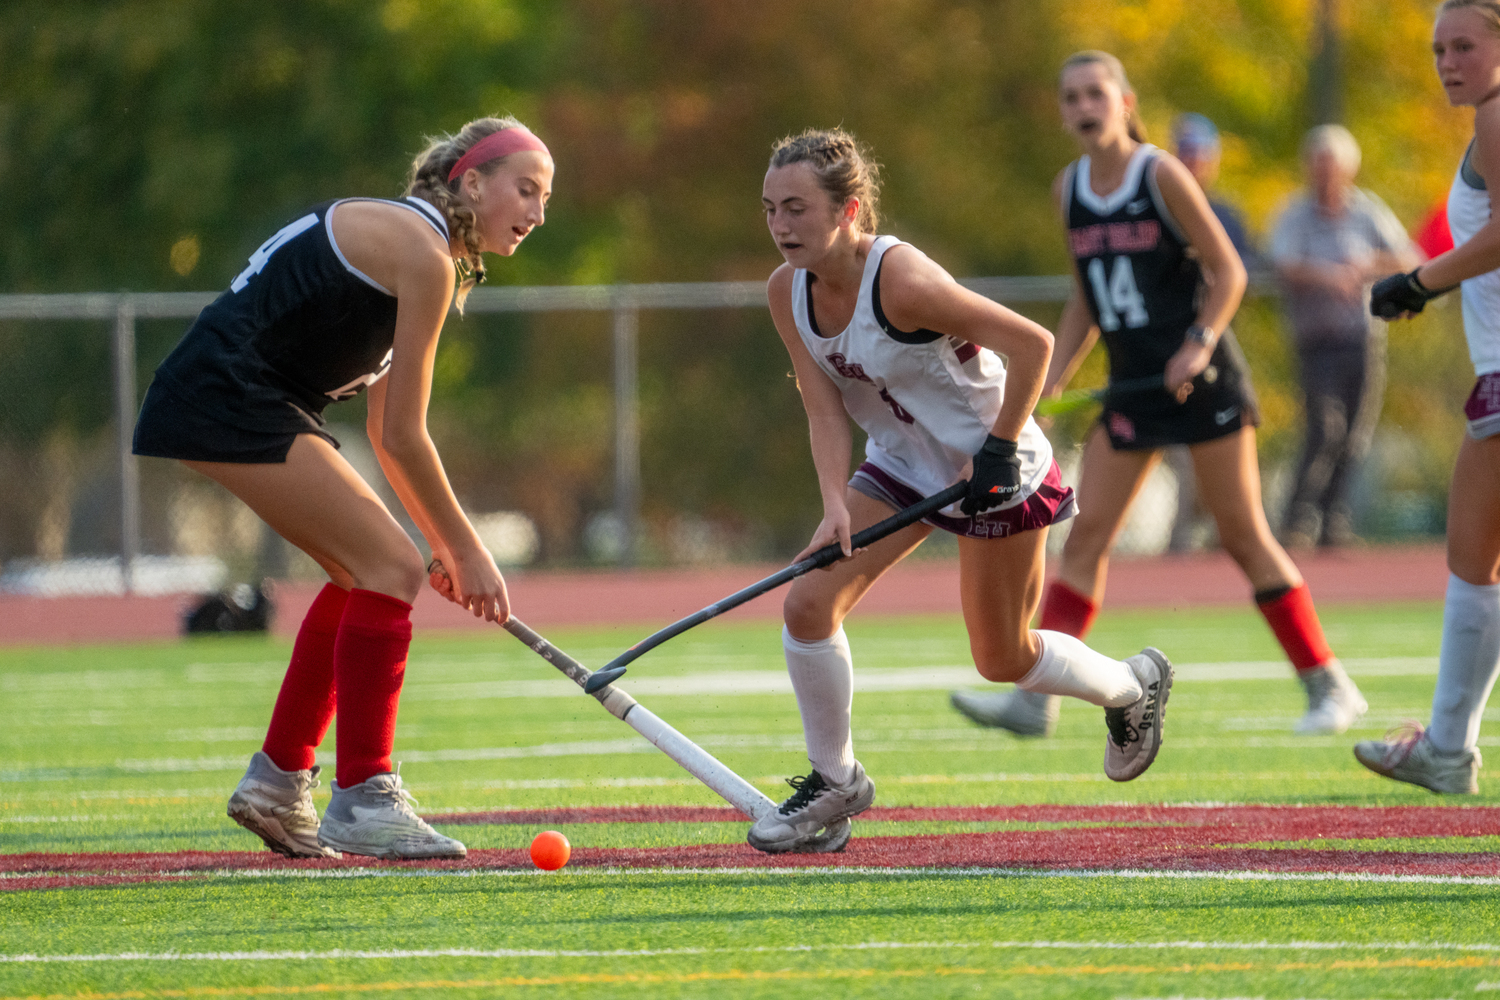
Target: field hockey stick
{"x": 825, "y": 556}
{"x": 1077, "y": 399}
{"x": 690, "y": 756}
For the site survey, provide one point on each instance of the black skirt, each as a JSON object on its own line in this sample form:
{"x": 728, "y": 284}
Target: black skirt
{"x": 1154, "y": 419}
{"x": 171, "y": 427}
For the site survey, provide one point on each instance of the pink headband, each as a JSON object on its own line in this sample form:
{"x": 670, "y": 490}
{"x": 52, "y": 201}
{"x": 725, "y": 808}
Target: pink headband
{"x": 494, "y": 146}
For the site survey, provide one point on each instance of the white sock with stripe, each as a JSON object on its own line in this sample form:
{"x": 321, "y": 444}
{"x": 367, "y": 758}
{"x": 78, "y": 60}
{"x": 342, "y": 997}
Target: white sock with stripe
{"x": 822, "y": 675}
{"x": 1467, "y": 664}
{"x": 1068, "y": 667}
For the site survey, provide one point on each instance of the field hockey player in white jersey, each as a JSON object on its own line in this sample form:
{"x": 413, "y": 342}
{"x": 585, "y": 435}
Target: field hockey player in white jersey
{"x": 1158, "y": 281}
{"x": 880, "y": 333}
{"x": 1444, "y": 756}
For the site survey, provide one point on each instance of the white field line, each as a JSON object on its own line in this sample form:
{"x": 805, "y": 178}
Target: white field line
{"x": 895, "y": 873}
{"x": 385, "y": 954}
{"x": 933, "y": 678}
{"x": 956, "y": 740}
{"x": 768, "y": 781}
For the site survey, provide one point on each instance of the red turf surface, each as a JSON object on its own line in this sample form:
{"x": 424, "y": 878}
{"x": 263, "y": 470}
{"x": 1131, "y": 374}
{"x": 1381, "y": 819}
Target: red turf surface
{"x": 1203, "y": 838}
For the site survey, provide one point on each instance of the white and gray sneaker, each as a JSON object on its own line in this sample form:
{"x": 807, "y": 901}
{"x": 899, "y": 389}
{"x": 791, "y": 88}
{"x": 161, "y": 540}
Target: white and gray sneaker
{"x": 375, "y": 818}
{"x": 1333, "y": 702}
{"x": 815, "y": 818}
{"x": 1406, "y": 754}
{"x": 277, "y": 807}
{"x": 1024, "y": 713}
{"x": 1135, "y": 729}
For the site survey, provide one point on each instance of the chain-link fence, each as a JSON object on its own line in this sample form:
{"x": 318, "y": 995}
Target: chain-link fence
{"x": 581, "y": 426}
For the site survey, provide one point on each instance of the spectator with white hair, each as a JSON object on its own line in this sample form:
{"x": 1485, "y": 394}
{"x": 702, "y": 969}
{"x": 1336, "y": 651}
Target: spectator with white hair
{"x": 1328, "y": 246}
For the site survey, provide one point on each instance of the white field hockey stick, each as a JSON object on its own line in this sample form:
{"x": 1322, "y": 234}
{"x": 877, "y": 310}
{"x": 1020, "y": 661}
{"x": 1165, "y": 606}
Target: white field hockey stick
{"x": 688, "y": 755}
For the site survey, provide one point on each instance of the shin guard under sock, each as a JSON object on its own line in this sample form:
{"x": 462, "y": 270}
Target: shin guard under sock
{"x": 1294, "y": 620}
{"x": 305, "y": 705}
{"x": 822, "y": 675}
{"x": 1467, "y": 664}
{"x": 1068, "y": 667}
{"x": 369, "y": 664}
{"x": 1068, "y": 611}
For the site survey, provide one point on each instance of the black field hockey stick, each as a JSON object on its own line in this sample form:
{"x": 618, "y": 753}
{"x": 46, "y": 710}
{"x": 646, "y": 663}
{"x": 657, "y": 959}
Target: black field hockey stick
{"x": 1077, "y": 399}
{"x": 826, "y": 556}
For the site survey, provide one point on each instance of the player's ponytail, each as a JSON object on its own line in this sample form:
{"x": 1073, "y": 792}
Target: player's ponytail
{"x": 1116, "y": 70}
{"x": 1487, "y": 9}
{"x": 428, "y": 180}
{"x": 844, "y": 167}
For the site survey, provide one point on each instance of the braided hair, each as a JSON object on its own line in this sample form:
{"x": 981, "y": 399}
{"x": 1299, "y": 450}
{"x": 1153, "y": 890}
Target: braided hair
{"x": 844, "y": 166}
{"x": 428, "y": 180}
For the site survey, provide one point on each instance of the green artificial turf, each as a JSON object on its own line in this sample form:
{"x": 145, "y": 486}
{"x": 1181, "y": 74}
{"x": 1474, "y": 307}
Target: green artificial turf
{"x": 135, "y": 748}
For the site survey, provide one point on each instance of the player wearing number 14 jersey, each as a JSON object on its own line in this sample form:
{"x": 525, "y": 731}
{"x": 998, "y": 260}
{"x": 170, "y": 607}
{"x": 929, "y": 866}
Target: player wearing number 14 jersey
{"x": 1158, "y": 280}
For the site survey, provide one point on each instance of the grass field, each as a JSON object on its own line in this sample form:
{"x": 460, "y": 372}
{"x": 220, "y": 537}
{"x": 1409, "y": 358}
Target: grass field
{"x": 1018, "y": 870}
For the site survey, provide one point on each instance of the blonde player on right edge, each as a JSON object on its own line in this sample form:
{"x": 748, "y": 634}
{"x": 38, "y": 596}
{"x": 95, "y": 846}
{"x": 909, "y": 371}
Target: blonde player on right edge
{"x": 1444, "y": 757}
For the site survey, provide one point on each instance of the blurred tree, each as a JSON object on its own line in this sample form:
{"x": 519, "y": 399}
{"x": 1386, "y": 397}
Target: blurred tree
{"x": 152, "y": 144}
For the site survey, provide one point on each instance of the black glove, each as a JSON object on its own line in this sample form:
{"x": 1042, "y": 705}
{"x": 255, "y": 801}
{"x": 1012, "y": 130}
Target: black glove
{"x": 1401, "y": 293}
{"x": 996, "y": 478}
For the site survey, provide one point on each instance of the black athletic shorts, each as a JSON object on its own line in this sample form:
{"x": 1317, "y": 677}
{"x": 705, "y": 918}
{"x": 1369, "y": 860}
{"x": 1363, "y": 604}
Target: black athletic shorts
{"x": 1154, "y": 419}
{"x": 171, "y": 427}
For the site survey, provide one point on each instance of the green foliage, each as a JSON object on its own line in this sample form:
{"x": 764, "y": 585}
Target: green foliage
{"x": 151, "y": 145}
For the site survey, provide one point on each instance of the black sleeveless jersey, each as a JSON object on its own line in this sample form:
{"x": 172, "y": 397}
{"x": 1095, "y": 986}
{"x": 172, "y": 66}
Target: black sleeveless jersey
{"x": 1141, "y": 284}
{"x": 299, "y": 328}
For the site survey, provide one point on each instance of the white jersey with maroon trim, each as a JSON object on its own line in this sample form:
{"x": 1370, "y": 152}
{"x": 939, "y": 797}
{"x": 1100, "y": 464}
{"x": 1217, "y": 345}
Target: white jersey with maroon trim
{"x": 1469, "y": 212}
{"x": 926, "y": 400}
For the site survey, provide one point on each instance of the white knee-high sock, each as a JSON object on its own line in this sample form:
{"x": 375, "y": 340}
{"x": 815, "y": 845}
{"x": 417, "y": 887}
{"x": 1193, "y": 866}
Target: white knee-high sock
{"x": 1068, "y": 667}
{"x": 823, "y": 677}
{"x": 1467, "y": 664}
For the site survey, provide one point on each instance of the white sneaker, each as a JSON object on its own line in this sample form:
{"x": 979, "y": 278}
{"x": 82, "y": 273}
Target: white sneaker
{"x": 1333, "y": 702}
{"x": 1406, "y": 754}
{"x": 374, "y": 818}
{"x": 814, "y": 806}
{"x": 1135, "y": 729}
{"x": 277, "y": 807}
{"x": 1024, "y": 713}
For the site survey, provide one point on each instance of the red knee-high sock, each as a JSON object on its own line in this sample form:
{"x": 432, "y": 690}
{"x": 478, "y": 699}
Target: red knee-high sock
{"x": 369, "y": 664}
{"x": 305, "y": 705}
{"x": 1291, "y": 615}
{"x": 1068, "y": 611}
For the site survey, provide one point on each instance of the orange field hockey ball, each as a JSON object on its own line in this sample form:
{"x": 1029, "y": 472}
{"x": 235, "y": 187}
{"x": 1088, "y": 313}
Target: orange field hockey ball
{"x": 550, "y": 850}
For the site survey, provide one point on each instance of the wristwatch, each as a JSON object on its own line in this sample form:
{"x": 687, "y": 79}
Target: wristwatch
{"x": 1203, "y": 336}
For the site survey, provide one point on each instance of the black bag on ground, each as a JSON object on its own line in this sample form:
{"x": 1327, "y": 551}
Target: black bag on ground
{"x": 241, "y": 609}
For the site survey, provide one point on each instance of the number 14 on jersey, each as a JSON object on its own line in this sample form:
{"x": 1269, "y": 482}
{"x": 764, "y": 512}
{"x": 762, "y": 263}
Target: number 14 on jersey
{"x": 1119, "y": 297}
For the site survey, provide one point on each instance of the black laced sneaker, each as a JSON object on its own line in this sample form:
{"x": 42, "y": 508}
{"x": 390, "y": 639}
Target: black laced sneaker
{"x": 1135, "y": 729}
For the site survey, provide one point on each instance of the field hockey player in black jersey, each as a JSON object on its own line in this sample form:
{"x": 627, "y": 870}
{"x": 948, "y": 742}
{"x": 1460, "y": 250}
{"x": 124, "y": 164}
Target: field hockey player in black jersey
{"x": 1158, "y": 279}
{"x": 349, "y": 297}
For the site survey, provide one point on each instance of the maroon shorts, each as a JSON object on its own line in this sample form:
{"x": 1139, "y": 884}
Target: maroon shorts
{"x": 1483, "y": 407}
{"x": 1052, "y": 502}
